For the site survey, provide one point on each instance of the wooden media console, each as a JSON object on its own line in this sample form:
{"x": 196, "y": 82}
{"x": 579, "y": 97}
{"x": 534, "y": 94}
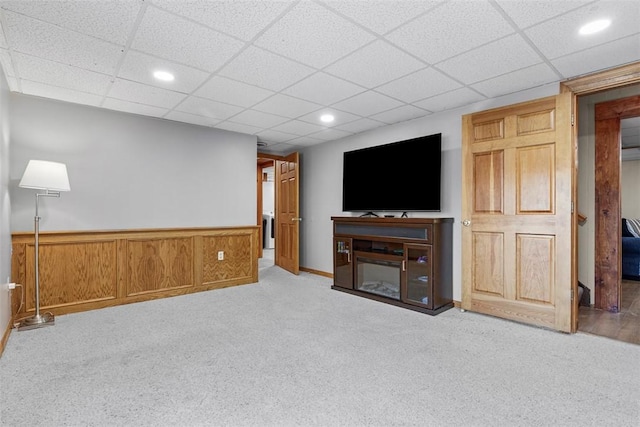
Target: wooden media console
{"x": 400, "y": 261}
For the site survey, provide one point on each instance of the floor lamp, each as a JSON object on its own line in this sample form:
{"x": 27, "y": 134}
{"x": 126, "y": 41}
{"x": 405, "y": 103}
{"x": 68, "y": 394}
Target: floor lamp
{"x": 52, "y": 178}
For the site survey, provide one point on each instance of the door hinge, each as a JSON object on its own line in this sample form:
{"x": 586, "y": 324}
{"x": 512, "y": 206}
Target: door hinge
{"x": 573, "y": 119}
{"x": 571, "y": 207}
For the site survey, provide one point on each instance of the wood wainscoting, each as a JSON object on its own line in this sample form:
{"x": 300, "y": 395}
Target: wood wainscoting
{"x": 85, "y": 270}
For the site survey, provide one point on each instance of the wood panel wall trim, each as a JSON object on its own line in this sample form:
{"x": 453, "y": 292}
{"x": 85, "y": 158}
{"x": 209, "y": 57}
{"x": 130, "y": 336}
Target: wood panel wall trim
{"x": 91, "y": 269}
{"x": 609, "y": 79}
{"x": 5, "y": 336}
{"x": 618, "y": 109}
{"x": 76, "y": 236}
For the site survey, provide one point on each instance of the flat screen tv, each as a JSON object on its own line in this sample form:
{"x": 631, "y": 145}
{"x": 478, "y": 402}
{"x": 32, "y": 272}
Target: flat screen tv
{"x": 401, "y": 176}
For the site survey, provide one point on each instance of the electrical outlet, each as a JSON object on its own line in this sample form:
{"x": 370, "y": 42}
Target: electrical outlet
{"x": 220, "y": 255}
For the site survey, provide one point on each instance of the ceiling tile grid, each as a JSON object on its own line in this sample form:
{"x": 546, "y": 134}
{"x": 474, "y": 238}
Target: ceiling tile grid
{"x": 272, "y": 68}
{"x": 48, "y": 41}
{"x": 35, "y": 69}
{"x": 135, "y": 108}
{"x": 313, "y": 35}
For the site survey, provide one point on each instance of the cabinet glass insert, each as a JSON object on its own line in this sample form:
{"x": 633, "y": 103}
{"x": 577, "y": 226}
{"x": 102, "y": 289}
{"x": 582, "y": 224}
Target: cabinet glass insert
{"x": 342, "y": 257}
{"x": 419, "y": 276}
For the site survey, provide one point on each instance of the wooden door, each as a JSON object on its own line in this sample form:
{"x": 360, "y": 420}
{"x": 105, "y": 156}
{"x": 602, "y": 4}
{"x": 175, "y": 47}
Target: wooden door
{"x": 287, "y": 241}
{"x": 517, "y": 257}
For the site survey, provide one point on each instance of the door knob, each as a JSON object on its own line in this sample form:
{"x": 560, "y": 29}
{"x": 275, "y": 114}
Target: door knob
{"x": 296, "y": 219}
{"x": 466, "y": 223}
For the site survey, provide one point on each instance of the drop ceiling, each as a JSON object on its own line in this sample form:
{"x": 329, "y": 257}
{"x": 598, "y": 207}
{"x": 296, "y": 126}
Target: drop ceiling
{"x": 272, "y": 68}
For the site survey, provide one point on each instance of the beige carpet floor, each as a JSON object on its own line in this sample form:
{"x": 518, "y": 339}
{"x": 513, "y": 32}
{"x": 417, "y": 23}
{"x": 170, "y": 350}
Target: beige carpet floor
{"x": 290, "y": 351}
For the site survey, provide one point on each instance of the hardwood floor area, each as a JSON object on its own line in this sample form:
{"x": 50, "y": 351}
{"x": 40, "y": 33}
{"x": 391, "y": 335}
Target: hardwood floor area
{"x": 622, "y": 326}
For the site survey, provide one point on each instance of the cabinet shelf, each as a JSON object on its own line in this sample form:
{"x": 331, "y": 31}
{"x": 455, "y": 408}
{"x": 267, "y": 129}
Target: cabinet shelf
{"x": 400, "y": 261}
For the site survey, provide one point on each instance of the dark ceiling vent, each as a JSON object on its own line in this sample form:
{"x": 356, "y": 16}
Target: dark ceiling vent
{"x": 262, "y": 144}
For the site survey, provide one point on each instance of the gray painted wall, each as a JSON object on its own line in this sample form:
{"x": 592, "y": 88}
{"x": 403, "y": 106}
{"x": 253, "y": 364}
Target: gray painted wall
{"x": 5, "y": 206}
{"x": 128, "y": 171}
{"x": 321, "y": 182}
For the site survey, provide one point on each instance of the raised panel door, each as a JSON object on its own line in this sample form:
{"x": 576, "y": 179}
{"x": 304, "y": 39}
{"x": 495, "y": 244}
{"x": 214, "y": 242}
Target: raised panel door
{"x": 516, "y": 210}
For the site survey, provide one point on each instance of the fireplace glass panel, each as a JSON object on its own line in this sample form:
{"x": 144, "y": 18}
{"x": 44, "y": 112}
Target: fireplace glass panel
{"x": 381, "y": 277}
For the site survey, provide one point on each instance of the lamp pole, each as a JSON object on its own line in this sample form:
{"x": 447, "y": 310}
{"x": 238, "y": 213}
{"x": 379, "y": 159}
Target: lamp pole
{"x": 37, "y": 319}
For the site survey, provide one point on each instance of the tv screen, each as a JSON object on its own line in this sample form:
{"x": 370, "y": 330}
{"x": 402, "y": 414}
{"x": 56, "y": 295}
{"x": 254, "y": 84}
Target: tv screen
{"x": 401, "y": 176}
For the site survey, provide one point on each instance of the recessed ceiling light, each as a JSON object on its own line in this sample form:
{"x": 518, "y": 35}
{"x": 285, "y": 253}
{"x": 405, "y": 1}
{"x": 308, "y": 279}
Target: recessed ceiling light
{"x": 327, "y": 118}
{"x": 165, "y": 76}
{"x": 594, "y": 26}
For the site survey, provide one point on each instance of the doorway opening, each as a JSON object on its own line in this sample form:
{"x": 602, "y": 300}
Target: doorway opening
{"x": 607, "y": 186}
{"x": 266, "y": 214}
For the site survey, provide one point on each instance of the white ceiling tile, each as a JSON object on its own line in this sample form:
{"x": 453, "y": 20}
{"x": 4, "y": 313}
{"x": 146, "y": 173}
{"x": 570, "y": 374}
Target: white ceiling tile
{"x": 313, "y": 35}
{"x": 144, "y": 94}
{"x": 258, "y": 118}
{"x": 400, "y": 114}
{"x": 419, "y": 85}
{"x": 491, "y": 60}
{"x": 451, "y": 29}
{"x": 208, "y": 108}
{"x": 133, "y": 107}
{"x": 168, "y": 36}
{"x": 375, "y": 64}
{"x": 367, "y": 103}
{"x": 360, "y": 125}
{"x": 3, "y": 40}
{"x": 232, "y": 92}
{"x": 62, "y": 94}
{"x": 381, "y": 16}
{"x": 238, "y": 127}
{"x": 57, "y": 74}
{"x": 600, "y": 57}
{"x": 450, "y": 100}
{"x": 286, "y": 106}
{"x": 330, "y": 134}
{"x": 298, "y": 127}
{"x": 7, "y": 63}
{"x": 339, "y": 117}
{"x": 48, "y": 41}
{"x": 194, "y": 119}
{"x": 525, "y": 78}
{"x": 305, "y": 141}
{"x": 106, "y": 19}
{"x": 527, "y": 13}
{"x": 243, "y": 19}
{"x": 275, "y": 136}
{"x": 323, "y": 89}
{"x": 624, "y": 15}
{"x": 264, "y": 69}
{"x": 139, "y": 67}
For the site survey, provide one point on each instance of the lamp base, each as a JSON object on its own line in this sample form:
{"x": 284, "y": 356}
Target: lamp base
{"x": 38, "y": 321}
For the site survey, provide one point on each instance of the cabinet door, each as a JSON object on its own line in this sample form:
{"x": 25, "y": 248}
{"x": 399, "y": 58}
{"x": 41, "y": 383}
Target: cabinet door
{"x": 418, "y": 275}
{"x": 342, "y": 262}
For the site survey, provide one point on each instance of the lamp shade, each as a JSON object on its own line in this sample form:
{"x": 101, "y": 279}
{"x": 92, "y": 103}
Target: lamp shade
{"x": 44, "y": 175}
